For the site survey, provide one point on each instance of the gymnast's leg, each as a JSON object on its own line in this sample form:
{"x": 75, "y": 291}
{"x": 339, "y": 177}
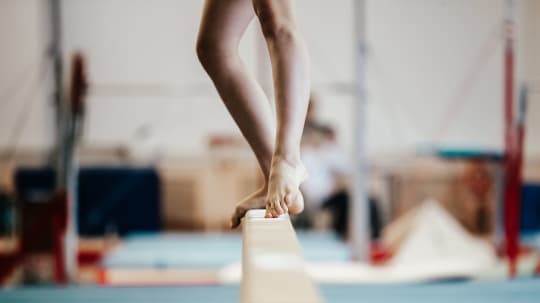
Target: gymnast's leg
{"x": 290, "y": 68}
{"x": 222, "y": 25}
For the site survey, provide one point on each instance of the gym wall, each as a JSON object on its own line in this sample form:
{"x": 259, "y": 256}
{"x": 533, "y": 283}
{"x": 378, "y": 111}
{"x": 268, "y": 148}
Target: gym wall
{"x": 143, "y": 68}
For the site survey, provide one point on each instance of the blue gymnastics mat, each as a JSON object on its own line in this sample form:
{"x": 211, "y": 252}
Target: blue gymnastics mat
{"x": 531, "y": 239}
{"x": 209, "y": 250}
{"x": 518, "y": 291}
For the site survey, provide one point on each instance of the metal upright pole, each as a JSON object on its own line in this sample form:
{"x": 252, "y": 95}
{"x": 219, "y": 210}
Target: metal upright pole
{"x": 512, "y": 187}
{"x": 359, "y": 225}
{"x": 55, "y": 54}
{"x": 64, "y": 156}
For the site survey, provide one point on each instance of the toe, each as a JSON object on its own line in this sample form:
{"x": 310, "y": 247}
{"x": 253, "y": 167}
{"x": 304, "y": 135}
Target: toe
{"x": 289, "y": 199}
{"x": 278, "y": 210}
{"x": 234, "y": 223}
{"x": 297, "y": 204}
{"x": 268, "y": 213}
{"x": 285, "y": 207}
{"x": 270, "y": 208}
{"x": 236, "y": 217}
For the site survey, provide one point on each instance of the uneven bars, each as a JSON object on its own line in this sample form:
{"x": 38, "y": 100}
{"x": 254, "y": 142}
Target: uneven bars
{"x": 272, "y": 263}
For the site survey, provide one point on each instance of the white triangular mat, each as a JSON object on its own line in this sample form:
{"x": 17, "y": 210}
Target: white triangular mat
{"x": 435, "y": 237}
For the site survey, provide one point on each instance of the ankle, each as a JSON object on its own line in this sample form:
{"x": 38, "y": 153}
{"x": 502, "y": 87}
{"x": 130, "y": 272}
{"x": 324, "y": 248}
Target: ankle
{"x": 292, "y": 159}
{"x": 264, "y": 187}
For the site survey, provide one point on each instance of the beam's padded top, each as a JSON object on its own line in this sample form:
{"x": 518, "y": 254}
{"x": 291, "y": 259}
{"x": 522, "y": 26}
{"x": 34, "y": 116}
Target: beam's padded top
{"x": 272, "y": 262}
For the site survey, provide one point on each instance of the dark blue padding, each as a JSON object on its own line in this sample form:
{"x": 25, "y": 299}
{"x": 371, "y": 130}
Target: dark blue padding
{"x": 110, "y": 199}
{"x": 120, "y": 200}
{"x": 34, "y": 184}
{"x": 530, "y": 208}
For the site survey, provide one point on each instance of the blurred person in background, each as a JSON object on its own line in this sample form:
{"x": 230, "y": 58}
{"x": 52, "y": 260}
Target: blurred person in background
{"x": 474, "y": 202}
{"x": 276, "y": 145}
{"x": 329, "y": 182}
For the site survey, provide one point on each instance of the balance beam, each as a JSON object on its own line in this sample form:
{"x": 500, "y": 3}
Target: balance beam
{"x": 272, "y": 263}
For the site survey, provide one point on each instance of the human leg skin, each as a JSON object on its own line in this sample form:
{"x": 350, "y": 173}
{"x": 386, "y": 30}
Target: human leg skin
{"x": 290, "y": 69}
{"x": 222, "y": 25}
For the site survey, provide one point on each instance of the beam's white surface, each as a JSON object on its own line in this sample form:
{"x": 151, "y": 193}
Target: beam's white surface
{"x": 272, "y": 263}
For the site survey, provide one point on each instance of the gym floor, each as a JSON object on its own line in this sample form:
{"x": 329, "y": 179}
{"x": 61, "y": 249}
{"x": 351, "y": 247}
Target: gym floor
{"x": 521, "y": 290}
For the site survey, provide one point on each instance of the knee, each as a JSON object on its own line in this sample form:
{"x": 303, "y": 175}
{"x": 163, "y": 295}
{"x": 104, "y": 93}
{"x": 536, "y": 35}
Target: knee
{"x": 206, "y": 50}
{"x": 274, "y": 25}
{"x": 212, "y": 53}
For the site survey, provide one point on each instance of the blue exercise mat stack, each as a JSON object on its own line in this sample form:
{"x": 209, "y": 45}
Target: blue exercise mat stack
{"x": 118, "y": 200}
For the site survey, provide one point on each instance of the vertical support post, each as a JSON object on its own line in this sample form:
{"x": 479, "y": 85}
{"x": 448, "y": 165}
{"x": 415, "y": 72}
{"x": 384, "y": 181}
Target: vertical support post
{"x": 55, "y": 54}
{"x": 65, "y": 167}
{"x": 512, "y": 158}
{"x": 359, "y": 225}
{"x": 498, "y": 185}
{"x": 71, "y": 236}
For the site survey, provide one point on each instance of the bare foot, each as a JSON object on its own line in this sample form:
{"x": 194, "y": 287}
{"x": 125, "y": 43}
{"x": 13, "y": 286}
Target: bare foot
{"x": 254, "y": 201}
{"x": 284, "y": 195}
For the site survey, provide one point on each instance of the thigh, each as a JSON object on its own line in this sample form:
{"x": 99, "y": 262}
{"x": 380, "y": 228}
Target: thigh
{"x": 223, "y": 22}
